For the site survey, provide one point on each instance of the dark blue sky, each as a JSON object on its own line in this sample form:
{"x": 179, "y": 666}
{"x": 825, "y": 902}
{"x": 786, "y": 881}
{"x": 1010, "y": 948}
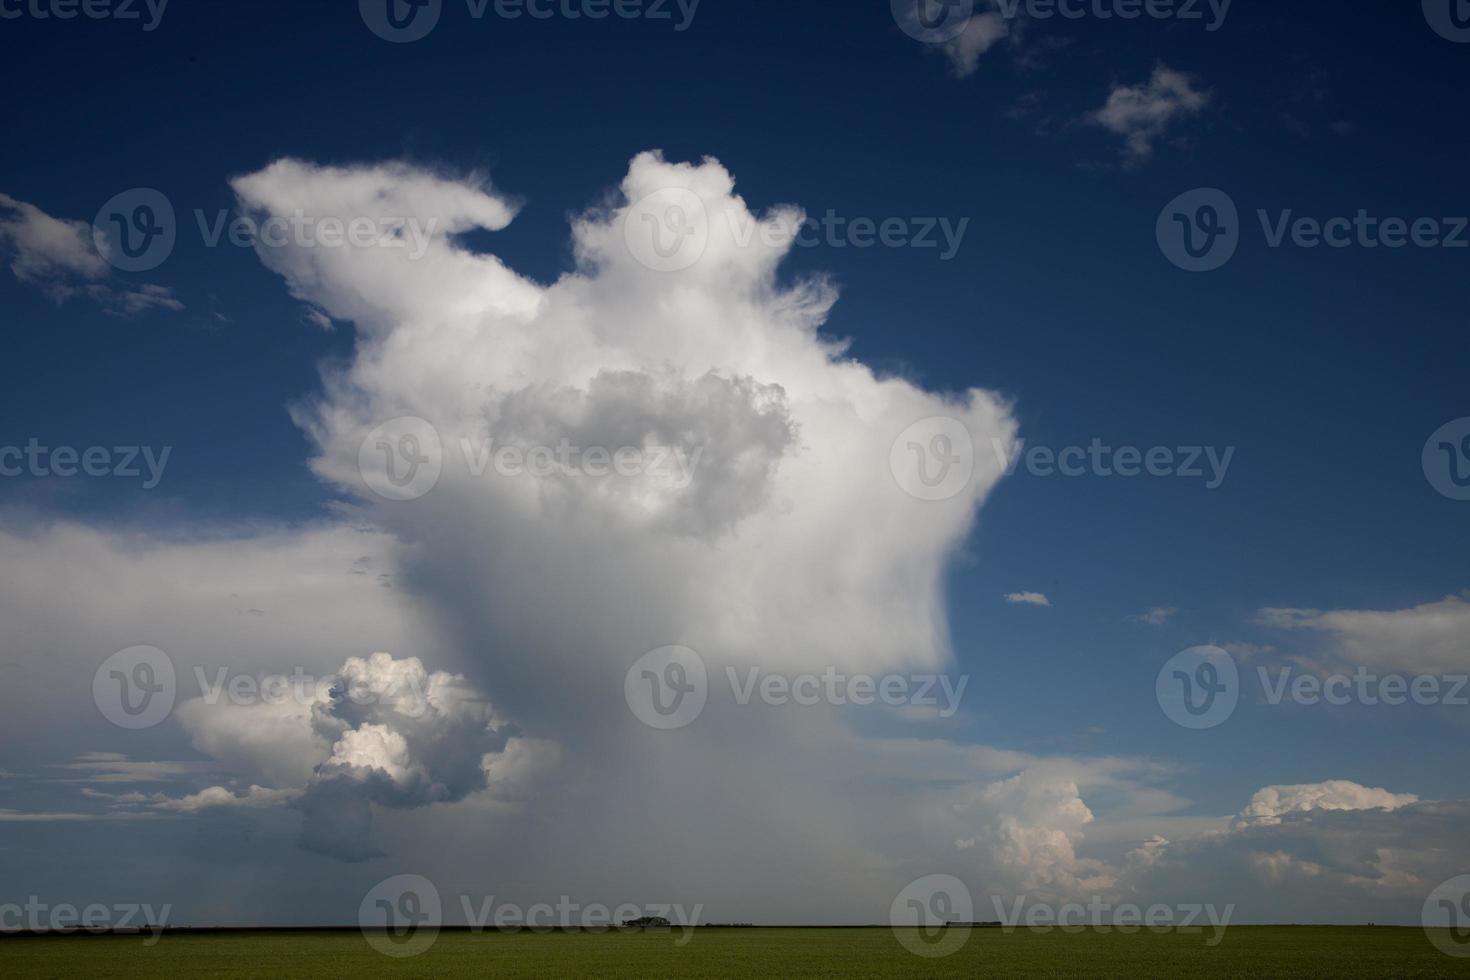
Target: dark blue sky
{"x": 1327, "y": 369}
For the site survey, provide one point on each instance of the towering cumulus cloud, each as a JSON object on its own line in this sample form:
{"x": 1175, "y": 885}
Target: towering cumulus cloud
{"x": 750, "y": 511}
{"x": 763, "y": 524}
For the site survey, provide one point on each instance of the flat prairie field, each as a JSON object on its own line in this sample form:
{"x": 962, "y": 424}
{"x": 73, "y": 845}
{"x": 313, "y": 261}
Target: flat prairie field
{"x": 1242, "y": 951}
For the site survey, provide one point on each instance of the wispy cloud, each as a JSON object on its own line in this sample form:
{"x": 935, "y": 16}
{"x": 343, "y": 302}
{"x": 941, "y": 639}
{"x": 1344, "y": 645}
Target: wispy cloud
{"x": 1430, "y": 637}
{"x": 58, "y": 256}
{"x": 110, "y": 767}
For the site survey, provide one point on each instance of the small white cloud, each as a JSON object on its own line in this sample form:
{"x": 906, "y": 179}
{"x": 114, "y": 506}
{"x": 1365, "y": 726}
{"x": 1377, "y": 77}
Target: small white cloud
{"x": 981, "y": 34}
{"x": 44, "y": 248}
{"x": 1157, "y": 616}
{"x": 1027, "y": 599}
{"x": 58, "y": 256}
{"x": 1270, "y": 804}
{"x": 1029, "y": 826}
{"x": 393, "y": 734}
{"x": 1141, "y": 114}
{"x": 981, "y": 30}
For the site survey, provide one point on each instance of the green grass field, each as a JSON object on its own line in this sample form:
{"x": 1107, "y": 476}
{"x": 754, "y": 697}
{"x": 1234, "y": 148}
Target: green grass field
{"x": 720, "y": 953}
